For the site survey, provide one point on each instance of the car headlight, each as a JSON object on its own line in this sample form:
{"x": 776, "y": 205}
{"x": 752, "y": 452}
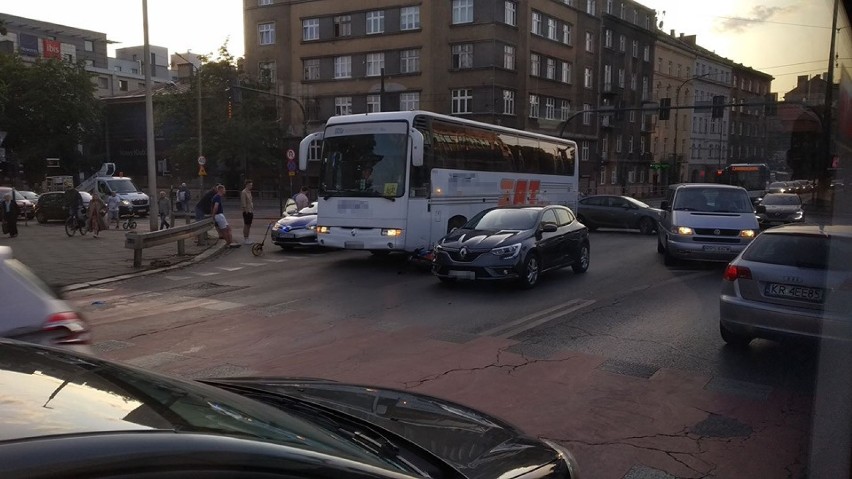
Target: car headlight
{"x": 312, "y": 227}
{"x": 565, "y": 455}
{"x": 507, "y": 252}
{"x": 323, "y": 230}
{"x": 391, "y": 232}
{"x": 125, "y": 202}
{"x": 685, "y": 230}
{"x": 798, "y": 215}
{"x": 747, "y": 234}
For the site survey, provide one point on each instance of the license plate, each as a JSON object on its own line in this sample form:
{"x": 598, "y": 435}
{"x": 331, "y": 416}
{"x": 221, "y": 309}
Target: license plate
{"x": 287, "y": 235}
{"x": 794, "y": 292}
{"x": 717, "y": 249}
{"x": 462, "y": 274}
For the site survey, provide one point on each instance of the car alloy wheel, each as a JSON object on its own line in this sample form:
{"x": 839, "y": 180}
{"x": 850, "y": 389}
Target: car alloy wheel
{"x": 41, "y": 218}
{"x": 646, "y": 226}
{"x": 582, "y": 263}
{"x": 530, "y": 272}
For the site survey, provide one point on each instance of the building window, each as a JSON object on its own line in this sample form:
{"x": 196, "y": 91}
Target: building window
{"x": 409, "y": 61}
{"x": 88, "y": 45}
{"x": 621, "y": 78}
{"x": 565, "y": 110}
{"x": 587, "y": 114}
{"x": 103, "y": 83}
{"x": 122, "y": 85}
{"x": 536, "y": 23}
{"x": 508, "y": 102}
{"x": 462, "y": 11}
{"x": 343, "y": 67}
{"x": 632, "y": 116}
{"x": 550, "y": 109}
{"x": 608, "y": 8}
{"x": 608, "y": 38}
{"x": 343, "y": 105}
{"x": 409, "y": 101}
{"x": 551, "y": 29}
{"x": 511, "y": 14}
{"x": 375, "y": 22}
{"x": 566, "y": 72}
{"x": 509, "y": 57}
{"x": 566, "y": 34}
{"x": 343, "y": 26}
{"x": 587, "y": 78}
{"x": 535, "y": 65}
{"x": 630, "y": 144}
{"x": 618, "y": 144}
{"x": 534, "y": 106}
{"x": 310, "y": 29}
{"x": 622, "y": 43}
{"x": 633, "y": 81}
{"x": 635, "y": 49}
{"x": 266, "y": 34}
{"x": 607, "y": 77}
{"x": 375, "y": 64}
{"x": 409, "y": 18}
{"x": 374, "y": 103}
{"x": 590, "y": 42}
{"x": 550, "y": 73}
{"x": 312, "y": 69}
{"x": 646, "y": 54}
{"x": 462, "y": 100}
{"x": 463, "y": 56}
{"x": 263, "y": 3}
{"x": 584, "y": 151}
{"x": 591, "y": 7}
{"x": 267, "y": 72}
{"x": 645, "y": 95}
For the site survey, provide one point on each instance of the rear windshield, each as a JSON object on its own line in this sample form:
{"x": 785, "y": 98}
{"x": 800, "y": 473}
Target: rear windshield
{"x": 802, "y": 251}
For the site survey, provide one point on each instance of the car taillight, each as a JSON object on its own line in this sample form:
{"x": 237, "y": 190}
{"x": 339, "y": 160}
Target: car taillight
{"x": 733, "y": 273}
{"x": 70, "y": 325}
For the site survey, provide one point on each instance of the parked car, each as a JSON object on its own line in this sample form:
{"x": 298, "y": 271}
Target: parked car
{"x": 30, "y": 195}
{"x": 780, "y": 208}
{"x": 299, "y": 229}
{"x": 25, "y": 205}
{"x": 513, "y": 243}
{"x": 705, "y": 222}
{"x": 32, "y": 310}
{"x": 791, "y": 281}
{"x": 779, "y": 187}
{"x": 69, "y": 415}
{"x": 608, "y": 211}
{"x": 51, "y": 206}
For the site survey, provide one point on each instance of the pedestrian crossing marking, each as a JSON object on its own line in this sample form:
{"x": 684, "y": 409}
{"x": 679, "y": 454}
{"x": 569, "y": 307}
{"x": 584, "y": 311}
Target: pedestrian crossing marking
{"x": 178, "y": 278}
{"x": 207, "y": 273}
{"x": 254, "y": 264}
{"x": 237, "y": 268}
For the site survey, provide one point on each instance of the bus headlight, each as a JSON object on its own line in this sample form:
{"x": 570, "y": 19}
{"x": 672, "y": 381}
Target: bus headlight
{"x": 685, "y": 230}
{"x": 747, "y": 234}
{"x": 323, "y": 230}
{"x": 391, "y": 232}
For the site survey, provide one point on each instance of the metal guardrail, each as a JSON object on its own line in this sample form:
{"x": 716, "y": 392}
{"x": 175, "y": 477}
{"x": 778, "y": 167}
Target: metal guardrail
{"x": 139, "y": 241}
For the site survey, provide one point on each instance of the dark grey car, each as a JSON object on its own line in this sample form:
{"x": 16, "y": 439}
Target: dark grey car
{"x": 780, "y": 208}
{"x": 609, "y": 211}
{"x": 513, "y": 243}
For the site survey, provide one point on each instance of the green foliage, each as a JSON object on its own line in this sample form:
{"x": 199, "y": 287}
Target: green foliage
{"x": 47, "y": 108}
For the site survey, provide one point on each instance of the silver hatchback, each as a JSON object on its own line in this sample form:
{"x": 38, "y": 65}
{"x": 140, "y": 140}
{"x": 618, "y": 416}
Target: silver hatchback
{"x": 791, "y": 281}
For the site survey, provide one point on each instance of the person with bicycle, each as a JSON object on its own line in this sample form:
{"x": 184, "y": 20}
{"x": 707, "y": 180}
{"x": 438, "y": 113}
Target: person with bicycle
{"x": 74, "y": 203}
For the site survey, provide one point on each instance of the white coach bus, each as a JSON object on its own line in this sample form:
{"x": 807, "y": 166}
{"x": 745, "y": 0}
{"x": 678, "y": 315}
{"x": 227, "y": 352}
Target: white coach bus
{"x": 399, "y": 181}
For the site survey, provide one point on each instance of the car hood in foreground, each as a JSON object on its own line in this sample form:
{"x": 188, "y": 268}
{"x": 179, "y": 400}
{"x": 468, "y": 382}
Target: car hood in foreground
{"x": 476, "y": 444}
{"x": 482, "y": 239}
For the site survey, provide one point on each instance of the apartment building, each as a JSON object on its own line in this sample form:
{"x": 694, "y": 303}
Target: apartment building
{"x": 750, "y": 92}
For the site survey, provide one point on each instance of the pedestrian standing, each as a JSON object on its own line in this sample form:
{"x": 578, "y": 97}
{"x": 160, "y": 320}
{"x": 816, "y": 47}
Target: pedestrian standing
{"x": 10, "y": 215}
{"x": 248, "y": 210}
{"x": 218, "y": 212}
{"x": 113, "y": 204}
{"x": 301, "y": 198}
{"x": 95, "y": 214}
{"x": 164, "y": 205}
{"x": 183, "y": 197}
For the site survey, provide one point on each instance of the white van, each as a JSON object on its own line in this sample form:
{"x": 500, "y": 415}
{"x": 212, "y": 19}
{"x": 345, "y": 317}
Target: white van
{"x": 705, "y": 222}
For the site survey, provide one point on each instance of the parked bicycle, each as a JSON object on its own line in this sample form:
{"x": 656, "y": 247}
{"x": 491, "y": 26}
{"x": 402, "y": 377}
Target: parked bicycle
{"x": 76, "y": 223}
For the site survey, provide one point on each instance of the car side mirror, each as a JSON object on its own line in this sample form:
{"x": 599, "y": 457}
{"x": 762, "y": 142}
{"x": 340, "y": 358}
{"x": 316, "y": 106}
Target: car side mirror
{"x": 664, "y": 205}
{"x": 548, "y": 228}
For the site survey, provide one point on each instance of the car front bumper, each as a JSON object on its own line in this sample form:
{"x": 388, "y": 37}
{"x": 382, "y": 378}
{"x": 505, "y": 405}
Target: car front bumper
{"x": 700, "y": 251}
{"x": 485, "y": 266}
{"x": 299, "y": 237}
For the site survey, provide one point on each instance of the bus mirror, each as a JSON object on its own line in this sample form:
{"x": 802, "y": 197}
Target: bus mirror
{"x": 416, "y": 148}
{"x": 305, "y": 148}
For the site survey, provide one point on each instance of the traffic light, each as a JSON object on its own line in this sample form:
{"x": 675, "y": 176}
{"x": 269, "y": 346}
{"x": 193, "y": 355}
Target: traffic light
{"x": 718, "y": 106}
{"x": 665, "y": 108}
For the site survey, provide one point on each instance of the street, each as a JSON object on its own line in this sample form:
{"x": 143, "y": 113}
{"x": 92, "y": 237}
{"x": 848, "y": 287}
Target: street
{"x": 623, "y": 364}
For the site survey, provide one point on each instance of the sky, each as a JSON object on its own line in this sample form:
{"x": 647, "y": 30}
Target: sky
{"x": 783, "y": 38}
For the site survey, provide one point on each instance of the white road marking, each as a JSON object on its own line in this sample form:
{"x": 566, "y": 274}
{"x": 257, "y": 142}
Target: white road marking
{"x": 207, "y": 273}
{"x": 237, "y": 268}
{"x": 536, "y": 319}
{"x": 254, "y": 264}
{"x": 178, "y": 278}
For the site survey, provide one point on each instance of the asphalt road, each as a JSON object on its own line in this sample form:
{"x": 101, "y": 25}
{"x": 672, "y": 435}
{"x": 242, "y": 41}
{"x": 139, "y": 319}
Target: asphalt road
{"x": 622, "y": 364}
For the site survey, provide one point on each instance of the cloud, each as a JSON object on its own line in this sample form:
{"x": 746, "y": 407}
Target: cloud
{"x": 758, "y": 14}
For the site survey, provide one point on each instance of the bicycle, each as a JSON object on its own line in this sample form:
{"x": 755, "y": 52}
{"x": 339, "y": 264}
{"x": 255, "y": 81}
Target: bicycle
{"x": 129, "y": 223}
{"x": 74, "y": 224}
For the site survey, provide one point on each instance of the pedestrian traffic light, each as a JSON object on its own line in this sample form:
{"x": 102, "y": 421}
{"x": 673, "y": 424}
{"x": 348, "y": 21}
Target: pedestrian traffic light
{"x": 718, "y": 110}
{"x": 665, "y": 108}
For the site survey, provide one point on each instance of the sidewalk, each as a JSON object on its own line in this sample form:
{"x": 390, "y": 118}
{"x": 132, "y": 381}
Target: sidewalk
{"x": 69, "y": 263}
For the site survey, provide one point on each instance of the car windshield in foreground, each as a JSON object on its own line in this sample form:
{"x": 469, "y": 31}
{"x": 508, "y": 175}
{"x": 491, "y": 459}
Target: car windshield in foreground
{"x": 802, "y": 251}
{"x": 504, "y": 219}
{"x": 71, "y": 395}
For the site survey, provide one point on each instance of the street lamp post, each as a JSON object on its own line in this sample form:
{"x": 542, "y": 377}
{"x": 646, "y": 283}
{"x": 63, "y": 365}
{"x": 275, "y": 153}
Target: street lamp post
{"x": 678, "y": 164}
{"x": 200, "y": 137}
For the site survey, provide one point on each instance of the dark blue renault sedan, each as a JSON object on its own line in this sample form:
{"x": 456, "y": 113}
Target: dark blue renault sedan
{"x": 513, "y": 242}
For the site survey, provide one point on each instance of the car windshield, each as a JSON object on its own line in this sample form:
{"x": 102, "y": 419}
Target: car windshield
{"x": 504, "y": 219}
{"x": 781, "y": 200}
{"x": 122, "y": 186}
{"x": 714, "y": 200}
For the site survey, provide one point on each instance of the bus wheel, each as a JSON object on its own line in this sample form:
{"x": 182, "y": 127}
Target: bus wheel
{"x": 456, "y": 222}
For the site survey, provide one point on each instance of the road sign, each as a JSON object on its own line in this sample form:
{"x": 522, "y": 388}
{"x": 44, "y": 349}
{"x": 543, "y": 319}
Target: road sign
{"x": 291, "y": 166}
{"x": 292, "y": 173}
{"x": 291, "y": 155}
{"x": 201, "y": 171}
{"x": 202, "y": 161}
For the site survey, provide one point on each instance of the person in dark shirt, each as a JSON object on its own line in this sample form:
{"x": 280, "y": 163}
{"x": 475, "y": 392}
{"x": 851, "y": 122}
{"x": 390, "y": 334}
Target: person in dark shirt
{"x": 205, "y": 204}
{"x": 74, "y": 203}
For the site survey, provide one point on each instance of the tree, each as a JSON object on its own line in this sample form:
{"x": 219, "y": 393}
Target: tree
{"x": 48, "y": 108}
{"x": 232, "y": 146}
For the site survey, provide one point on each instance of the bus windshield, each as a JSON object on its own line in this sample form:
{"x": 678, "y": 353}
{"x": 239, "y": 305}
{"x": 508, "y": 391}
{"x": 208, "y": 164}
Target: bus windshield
{"x": 364, "y": 165}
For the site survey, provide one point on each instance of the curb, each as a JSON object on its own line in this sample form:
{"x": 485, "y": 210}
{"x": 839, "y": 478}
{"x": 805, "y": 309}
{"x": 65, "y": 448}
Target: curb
{"x": 195, "y": 259}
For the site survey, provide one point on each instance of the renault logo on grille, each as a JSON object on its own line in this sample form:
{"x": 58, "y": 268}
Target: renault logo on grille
{"x": 717, "y": 232}
{"x": 463, "y": 253}
{"x": 352, "y": 232}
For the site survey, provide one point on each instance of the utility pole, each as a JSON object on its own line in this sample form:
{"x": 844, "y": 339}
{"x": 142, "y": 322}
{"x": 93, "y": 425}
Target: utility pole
{"x": 153, "y": 210}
